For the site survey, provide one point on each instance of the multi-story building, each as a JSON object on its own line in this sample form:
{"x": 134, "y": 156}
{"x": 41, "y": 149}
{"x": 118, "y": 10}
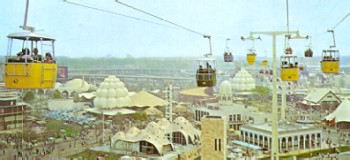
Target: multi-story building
{"x": 235, "y": 114}
{"x": 12, "y": 113}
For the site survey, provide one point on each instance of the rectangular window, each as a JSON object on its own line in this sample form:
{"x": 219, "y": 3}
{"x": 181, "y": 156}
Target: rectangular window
{"x": 230, "y": 118}
{"x": 234, "y": 117}
{"x": 219, "y": 144}
{"x": 238, "y": 117}
{"x": 216, "y": 145}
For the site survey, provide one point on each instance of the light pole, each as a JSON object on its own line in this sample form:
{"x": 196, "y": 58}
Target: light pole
{"x": 274, "y": 34}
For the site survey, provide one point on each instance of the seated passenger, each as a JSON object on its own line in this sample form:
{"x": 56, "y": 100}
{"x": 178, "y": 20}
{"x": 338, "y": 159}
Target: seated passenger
{"x": 296, "y": 64}
{"x": 26, "y": 55}
{"x": 284, "y": 64}
{"x": 200, "y": 69}
{"x": 48, "y": 58}
{"x": 291, "y": 65}
{"x": 35, "y": 55}
{"x": 210, "y": 70}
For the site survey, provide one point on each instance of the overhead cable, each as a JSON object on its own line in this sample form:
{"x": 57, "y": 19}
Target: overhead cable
{"x": 115, "y": 13}
{"x": 162, "y": 19}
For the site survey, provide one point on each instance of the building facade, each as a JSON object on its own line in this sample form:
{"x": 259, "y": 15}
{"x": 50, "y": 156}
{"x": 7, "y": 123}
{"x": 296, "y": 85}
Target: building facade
{"x": 291, "y": 136}
{"x": 12, "y": 113}
{"x": 213, "y": 137}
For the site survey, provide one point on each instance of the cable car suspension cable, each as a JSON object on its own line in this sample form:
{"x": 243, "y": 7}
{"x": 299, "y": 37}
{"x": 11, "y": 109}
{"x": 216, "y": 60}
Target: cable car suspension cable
{"x": 162, "y": 19}
{"x": 332, "y": 30}
{"x": 115, "y": 13}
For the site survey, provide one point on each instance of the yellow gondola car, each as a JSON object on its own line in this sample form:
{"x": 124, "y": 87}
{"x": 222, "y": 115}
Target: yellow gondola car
{"x": 289, "y": 68}
{"x": 330, "y": 61}
{"x": 251, "y": 58}
{"x": 206, "y": 76}
{"x": 265, "y": 63}
{"x": 26, "y": 71}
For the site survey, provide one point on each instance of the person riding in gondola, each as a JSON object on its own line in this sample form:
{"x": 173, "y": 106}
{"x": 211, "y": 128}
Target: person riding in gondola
{"x": 35, "y": 55}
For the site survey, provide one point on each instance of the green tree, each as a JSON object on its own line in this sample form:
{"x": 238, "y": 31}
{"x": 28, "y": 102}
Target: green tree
{"x": 263, "y": 92}
{"x": 74, "y": 130}
{"x": 29, "y": 134}
{"x": 57, "y": 94}
{"x": 140, "y": 116}
{"x": 53, "y": 128}
{"x": 29, "y": 96}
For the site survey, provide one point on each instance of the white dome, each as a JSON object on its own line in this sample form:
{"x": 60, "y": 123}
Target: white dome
{"x": 243, "y": 81}
{"x": 78, "y": 84}
{"x": 102, "y": 102}
{"x": 111, "y": 102}
{"x": 112, "y": 93}
{"x": 120, "y": 84}
{"x": 119, "y": 92}
{"x": 104, "y": 85}
{"x": 112, "y": 85}
{"x": 120, "y": 102}
{"x": 103, "y": 93}
{"x": 225, "y": 88}
{"x": 97, "y": 102}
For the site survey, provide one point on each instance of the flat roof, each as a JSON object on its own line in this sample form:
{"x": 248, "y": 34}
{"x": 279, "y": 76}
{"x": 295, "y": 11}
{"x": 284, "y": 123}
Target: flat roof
{"x": 282, "y": 127}
{"x": 30, "y": 36}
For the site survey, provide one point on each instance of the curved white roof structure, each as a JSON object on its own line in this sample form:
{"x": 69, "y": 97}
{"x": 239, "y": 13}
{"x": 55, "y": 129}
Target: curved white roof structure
{"x": 155, "y": 133}
{"x": 75, "y": 85}
{"x": 151, "y": 134}
{"x": 243, "y": 81}
{"x": 182, "y": 125}
{"x": 112, "y": 94}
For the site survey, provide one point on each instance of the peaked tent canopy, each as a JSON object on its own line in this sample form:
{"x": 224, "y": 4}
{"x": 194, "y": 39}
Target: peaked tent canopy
{"x": 145, "y": 99}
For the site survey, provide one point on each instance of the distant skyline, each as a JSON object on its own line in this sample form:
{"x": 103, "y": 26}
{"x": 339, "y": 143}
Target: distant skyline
{"x": 83, "y": 32}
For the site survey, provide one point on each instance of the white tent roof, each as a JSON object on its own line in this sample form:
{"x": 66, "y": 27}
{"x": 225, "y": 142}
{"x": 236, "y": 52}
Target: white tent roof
{"x": 145, "y": 99}
{"x": 341, "y": 114}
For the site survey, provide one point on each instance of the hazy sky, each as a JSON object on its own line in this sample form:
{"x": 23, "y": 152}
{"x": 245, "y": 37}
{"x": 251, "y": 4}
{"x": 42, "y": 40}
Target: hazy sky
{"x": 83, "y": 32}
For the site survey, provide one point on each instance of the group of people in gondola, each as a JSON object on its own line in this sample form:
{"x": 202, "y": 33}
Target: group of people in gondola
{"x": 25, "y": 55}
{"x": 208, "y": 69}
{"x": 330, "y": 58}
{"x": 286, "y": 64}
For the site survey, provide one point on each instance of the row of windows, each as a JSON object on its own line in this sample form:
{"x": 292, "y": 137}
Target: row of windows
{"x": 200, "y": 114}
{"x": 235, "y": 117}
{"x": 179, "y": 138}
